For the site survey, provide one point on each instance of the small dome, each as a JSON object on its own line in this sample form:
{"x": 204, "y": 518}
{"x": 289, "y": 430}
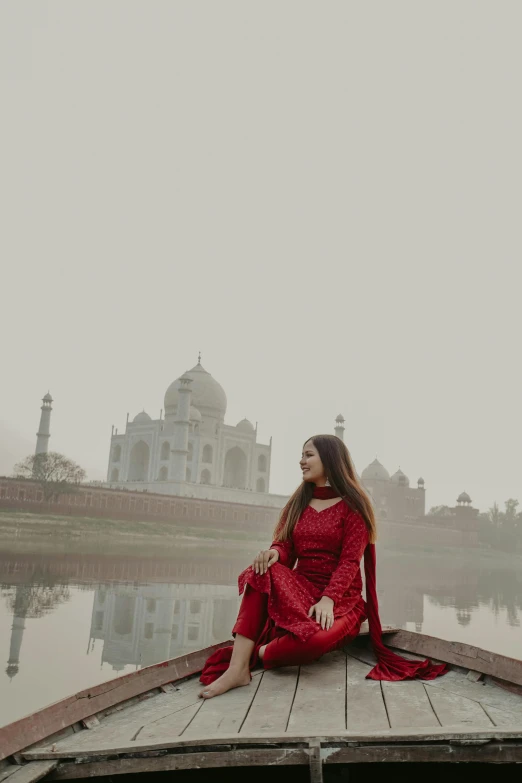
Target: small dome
{"x": 420, "y": 481}
{"x": 194, "y": 414}
{"x": 376, "y": 471}
{"x": 47, "y": 398}
{"x": 245, "y": 426}
{"x": 463, "y": 498}
{"x": 207, "y": 394}
{"x": 400, "y": 478}
{"x": 340, "y": 419}
{"x": 141, "y": 418}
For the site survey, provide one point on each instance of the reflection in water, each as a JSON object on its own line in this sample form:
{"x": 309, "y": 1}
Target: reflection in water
{"x": 127, "y": 611}
{"x": 29, "y": 600}
{"x": 141, "y": 625}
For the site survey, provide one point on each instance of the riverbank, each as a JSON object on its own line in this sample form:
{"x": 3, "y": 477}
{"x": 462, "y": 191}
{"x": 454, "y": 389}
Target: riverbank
{"x": 61, "y": 534}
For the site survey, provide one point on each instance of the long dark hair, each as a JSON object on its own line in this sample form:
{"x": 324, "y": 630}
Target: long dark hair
{"x": 340, "y": 472}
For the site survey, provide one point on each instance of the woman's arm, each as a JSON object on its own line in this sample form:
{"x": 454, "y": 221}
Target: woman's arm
{"x": 355, "y": 539}
{"x": 287, "y": 556}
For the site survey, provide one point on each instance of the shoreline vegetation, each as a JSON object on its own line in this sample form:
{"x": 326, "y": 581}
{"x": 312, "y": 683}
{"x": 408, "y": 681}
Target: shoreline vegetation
{"x": 61, "y": 534}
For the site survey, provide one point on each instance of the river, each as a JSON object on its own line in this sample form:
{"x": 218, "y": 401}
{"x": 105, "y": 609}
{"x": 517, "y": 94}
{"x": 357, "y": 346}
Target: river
{"x": 70, "y": 620}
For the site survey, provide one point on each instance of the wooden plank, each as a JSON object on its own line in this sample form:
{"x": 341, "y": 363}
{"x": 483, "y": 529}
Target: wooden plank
{"x": 394, "y": 735}
{"x": 270, "y": 710}
{"x": 35, "y": 770}
{"x": 320, "y": 699}
{"x": 242, "y": 757}
{"x": 491, "y": 753}
{"x": 6, "y": 770}
{"x": 41, "y": 724}
{"x": 452, "y": 709}
{"x": 124, "y": 726}
{"x": 464, "y": 655}
{"x": 500, "y": 717}
{"x": 456, "y": 682}
{"x": 408, "y": 705}
{"x": 224, "y": 714}
{"x": 315, "y": 764}
{"x": 169, "y": 726}
{"x": 364, "y": 701}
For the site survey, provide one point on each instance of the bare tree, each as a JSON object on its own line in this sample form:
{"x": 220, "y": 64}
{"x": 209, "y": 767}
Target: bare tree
{"x": 56, "y": 474}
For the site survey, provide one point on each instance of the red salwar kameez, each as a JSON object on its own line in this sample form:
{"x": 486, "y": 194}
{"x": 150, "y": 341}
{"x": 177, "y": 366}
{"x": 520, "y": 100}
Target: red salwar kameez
{"x": 322, "y": 558}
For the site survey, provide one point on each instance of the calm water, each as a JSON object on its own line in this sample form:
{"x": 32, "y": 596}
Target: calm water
{"x": 68, "y": 621}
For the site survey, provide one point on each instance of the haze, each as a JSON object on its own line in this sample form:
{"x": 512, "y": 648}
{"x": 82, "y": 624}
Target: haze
{"x": 323, "y": 198}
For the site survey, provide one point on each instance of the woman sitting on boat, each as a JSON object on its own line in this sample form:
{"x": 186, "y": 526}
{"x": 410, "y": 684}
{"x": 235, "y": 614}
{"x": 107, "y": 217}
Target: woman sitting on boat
{"x": 303, "y": 597}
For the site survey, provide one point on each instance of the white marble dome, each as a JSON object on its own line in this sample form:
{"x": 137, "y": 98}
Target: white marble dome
{"x": 208, "y": 395}
{"x": 400, "y": 478}
{"x": 141, "y": 418}
{"x": 245, "y": 426}
{"x": 375, "y": 471}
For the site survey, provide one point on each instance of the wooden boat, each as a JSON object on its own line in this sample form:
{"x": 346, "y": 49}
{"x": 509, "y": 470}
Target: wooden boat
{"x": 314, "y": 716}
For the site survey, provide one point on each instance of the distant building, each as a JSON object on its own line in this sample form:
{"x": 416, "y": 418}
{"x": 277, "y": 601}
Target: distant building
{"x": 392, "y": 496}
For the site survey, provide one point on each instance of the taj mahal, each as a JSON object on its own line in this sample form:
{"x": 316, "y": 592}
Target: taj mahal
{"x": 190, "y": 450}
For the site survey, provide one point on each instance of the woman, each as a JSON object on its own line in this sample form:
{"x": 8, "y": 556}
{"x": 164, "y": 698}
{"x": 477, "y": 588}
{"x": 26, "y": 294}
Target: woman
{"x": 293, "y": 614}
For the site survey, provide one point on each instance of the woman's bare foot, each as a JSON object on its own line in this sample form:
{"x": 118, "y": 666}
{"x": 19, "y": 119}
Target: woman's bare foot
{"x": 261, "y": 652}
{"x": 232, "y": 678}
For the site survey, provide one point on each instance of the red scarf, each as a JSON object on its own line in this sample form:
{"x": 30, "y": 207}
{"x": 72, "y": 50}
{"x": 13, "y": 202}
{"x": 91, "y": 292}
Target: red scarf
{"x": 389, "y": 665}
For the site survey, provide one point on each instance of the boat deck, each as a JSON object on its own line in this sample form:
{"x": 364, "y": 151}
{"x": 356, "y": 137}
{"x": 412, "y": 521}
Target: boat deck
{"x": 279, "y": 716}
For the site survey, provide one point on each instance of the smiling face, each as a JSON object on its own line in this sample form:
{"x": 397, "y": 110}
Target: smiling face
{"x": 311, "y": 465}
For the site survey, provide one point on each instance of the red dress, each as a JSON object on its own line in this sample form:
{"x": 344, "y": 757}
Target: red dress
{"x": 328, "y": 546}
{"x": 322, "y": 558}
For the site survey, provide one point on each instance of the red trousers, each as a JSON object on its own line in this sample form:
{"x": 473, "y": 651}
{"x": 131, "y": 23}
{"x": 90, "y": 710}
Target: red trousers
{"x": 285, "y": 649}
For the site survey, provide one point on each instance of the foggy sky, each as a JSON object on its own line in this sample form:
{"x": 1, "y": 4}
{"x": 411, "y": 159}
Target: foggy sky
{"x": 323, "y": 198}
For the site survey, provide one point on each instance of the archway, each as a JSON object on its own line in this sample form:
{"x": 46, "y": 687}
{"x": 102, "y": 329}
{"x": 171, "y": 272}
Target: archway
{"x": 139, "y": 462}
{"x": 235, "y": 468}
{"x": 260, "y": 486}
{"x": 261, "y": 463}
{"x": 116, "y": 454}
{"x": 115, "y": 474}
{"x": 165, "y": 450}
{"x": 205, "y": 476}
{"x": 163, "y": 474}
{"x": 207, "y": 454}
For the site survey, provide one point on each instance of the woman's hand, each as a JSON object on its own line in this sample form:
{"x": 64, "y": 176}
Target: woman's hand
{"x": 323, "y": 611}
{"x": 264, "y": 560}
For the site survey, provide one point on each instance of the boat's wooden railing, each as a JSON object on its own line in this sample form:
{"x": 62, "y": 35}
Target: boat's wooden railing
{"x": 63, "y": 714}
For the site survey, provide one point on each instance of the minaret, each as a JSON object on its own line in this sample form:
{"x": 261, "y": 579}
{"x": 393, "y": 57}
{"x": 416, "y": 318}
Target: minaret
{"x": 181, "y": 430}
{"x": 21, "y": 605}
{"x": 339, "y": 429}
{"x": 44, "y": 431}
